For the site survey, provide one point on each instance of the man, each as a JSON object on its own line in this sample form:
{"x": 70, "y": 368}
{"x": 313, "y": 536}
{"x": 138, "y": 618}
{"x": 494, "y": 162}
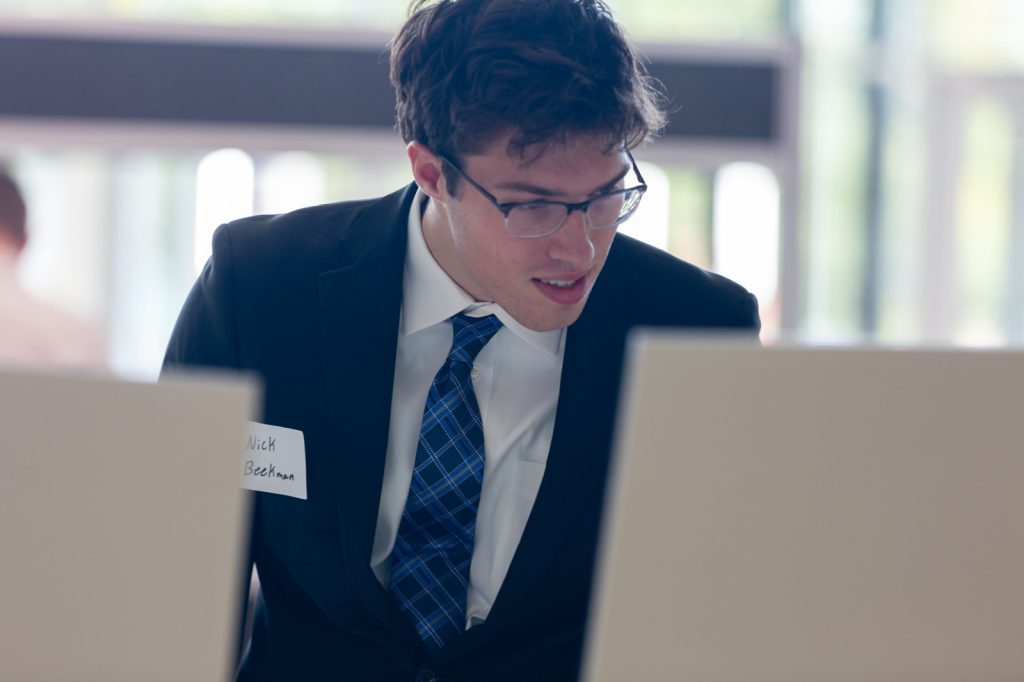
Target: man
{"x": 450, "y": 524}
{"x": 34, "y": 333}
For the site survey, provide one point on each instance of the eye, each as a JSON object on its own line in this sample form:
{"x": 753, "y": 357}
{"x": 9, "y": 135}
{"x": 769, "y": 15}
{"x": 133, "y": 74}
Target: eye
{"x": 606, "y": 210}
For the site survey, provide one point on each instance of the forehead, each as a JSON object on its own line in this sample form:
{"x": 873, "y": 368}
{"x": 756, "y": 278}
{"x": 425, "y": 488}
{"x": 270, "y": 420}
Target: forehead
{"x": 574, "y": 165}
{"x": 564, "y": 146}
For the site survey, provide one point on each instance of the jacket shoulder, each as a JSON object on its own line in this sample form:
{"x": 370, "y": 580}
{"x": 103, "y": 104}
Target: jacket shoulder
{"x": 669, "y": 291}
{"x": 312, "y": 234}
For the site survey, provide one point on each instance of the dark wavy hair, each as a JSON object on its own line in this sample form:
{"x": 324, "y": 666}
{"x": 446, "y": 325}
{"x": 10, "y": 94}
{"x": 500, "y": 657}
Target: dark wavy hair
{"x": 467, "y": 72}
{"x": 12, "y": 208}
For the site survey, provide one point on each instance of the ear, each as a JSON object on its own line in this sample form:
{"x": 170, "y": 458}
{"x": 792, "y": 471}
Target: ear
{"x": 426, "y": 170}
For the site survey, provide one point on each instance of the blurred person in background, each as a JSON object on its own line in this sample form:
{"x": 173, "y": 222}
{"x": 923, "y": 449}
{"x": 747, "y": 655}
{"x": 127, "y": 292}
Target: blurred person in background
{"x": 34, "y": 333}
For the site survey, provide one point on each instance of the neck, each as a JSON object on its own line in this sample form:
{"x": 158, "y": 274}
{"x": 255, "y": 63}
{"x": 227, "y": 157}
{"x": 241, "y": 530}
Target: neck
{"x": 438, "y": 237}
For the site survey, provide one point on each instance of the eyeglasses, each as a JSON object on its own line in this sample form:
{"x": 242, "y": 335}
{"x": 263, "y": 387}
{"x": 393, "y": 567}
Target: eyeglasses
{"x": 540, "y": 218}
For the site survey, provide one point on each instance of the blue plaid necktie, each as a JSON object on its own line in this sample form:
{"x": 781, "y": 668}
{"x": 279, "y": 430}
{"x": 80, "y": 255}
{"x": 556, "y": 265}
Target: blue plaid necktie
{"x": 434, "y": 546}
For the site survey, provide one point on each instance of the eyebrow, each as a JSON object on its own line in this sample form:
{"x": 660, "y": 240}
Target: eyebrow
{"x": 545, "y": 192}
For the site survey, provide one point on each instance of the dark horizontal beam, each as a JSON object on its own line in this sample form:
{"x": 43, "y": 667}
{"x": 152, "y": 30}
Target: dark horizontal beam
{"x": 53, "y": 77}
{"x": 726, "y": 101}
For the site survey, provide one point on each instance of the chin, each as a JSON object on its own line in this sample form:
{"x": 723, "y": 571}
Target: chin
{"x": 549, "y": 320}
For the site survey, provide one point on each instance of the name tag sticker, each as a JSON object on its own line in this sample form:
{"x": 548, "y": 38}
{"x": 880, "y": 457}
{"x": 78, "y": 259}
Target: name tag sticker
{"x": 274, "y": 461}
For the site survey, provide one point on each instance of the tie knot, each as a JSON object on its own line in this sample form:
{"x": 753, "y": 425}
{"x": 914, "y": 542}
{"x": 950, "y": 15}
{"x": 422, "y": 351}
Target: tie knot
{"x": 471, "y": 334}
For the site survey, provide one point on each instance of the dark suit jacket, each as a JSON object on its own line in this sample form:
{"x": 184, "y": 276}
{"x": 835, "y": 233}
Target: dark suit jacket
{"x": 311, "y": 301}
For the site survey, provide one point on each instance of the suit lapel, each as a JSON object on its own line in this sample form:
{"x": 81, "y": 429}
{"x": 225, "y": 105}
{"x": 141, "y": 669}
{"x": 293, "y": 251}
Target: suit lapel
{"x": 360, "y": 306}
{"x": 578, "y": 458}
{"x": 576, "y": 463}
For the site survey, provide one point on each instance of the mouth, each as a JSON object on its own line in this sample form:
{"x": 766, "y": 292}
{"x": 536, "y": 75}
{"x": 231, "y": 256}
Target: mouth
{"x": 560, "y": 283}
{"x": 565, "y": 290}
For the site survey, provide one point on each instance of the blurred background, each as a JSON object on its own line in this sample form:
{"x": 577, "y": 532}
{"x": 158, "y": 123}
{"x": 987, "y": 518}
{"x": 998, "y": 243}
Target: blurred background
{"x": 858, "y": 164}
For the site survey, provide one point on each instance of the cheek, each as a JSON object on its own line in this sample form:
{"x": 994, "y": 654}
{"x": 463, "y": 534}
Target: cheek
{"x": 470, "y": 236}
{"x": 485, "y": 249}
{"x": 603, "y": 242}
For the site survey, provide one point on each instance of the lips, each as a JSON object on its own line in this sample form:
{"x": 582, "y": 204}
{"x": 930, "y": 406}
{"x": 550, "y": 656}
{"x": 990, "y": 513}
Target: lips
{"x": 564, "y": 290}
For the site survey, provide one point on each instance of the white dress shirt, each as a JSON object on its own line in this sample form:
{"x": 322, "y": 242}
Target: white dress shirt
{"x": 516, "y": 379}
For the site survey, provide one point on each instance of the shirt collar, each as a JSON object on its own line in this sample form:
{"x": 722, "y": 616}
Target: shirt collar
{"x": 430, "y": 296}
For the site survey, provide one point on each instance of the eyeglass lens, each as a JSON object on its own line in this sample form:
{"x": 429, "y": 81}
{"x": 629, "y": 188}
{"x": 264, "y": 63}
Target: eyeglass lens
{"x": 541, "y": 218}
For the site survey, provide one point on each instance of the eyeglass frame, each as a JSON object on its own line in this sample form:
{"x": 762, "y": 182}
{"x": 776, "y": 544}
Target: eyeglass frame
{"x": 507, "y": 207}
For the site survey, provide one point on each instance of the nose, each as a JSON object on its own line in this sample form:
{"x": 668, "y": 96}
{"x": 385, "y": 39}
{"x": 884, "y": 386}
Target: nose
{"x": 571, "y": 244}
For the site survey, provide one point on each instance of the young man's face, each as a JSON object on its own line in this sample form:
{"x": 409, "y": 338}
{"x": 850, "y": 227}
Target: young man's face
{"x": 544, "y": 282}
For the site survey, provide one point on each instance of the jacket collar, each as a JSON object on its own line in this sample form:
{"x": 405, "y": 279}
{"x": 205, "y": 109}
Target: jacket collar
{"x": 360, "y": 305}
